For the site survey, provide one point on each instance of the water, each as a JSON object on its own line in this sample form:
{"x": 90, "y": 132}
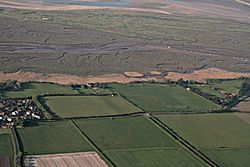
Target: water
{"x": 88, "y": 3}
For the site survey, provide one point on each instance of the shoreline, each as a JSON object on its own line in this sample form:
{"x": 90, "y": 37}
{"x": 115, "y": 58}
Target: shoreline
{"x": 199, "y": 75}
{"x": 58, "y": 7}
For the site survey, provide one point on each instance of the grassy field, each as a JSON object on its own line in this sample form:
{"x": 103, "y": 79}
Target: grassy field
{"x": 210, "y": 130}
{"x": 85, "y": 91}
{"x": 170, "y": 98}
{"x": 231, "y": 86}
{"x": 84, "y": 106}
{"x": 208, "y": 89}
{"x": 135, "y": 141}
{"x": 51, "y": 138}
{"x": 218, "y": 88}
{"x": 170, "y": 157}
{"x": 6, "y": 147}
{"x": 125, "y": 133}
{"x": 34, "y": 89}
{"x": 101, "y": 91}
{"x": 230, "y": 157}
{"x": 224, "y": 138}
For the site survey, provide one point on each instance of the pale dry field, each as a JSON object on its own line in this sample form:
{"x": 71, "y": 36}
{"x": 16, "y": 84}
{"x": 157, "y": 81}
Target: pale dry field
{"x": 210, "y": 73}
{"x": 85, "y": 159}
{"x": 200, "y": 75}
{"x": 244, "y": 106}
{"x": 66, "y": 78}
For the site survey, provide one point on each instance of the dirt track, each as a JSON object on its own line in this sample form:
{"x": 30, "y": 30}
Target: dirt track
{"x": 200, "y": 75}
{"x": 86, "y": 159}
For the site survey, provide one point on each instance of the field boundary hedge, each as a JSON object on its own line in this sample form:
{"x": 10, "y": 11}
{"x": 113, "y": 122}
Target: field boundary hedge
{"x": 107, "y": 116}
{"x": 18, "y": 153}
{"x": 46, "y": 107}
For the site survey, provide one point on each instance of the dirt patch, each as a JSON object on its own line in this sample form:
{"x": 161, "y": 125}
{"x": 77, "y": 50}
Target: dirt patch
{"x": 202, "y": 75}
{"x": 134, "y": 74}
{"x": 90, "y": 159}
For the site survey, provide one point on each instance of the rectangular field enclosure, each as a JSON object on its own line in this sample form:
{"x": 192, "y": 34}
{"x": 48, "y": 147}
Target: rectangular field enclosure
{"x": 224, "y": 138}
{"x": 52, "y": 138}
{"x": 163, "y": 98}
{"x": 86, "y": 106}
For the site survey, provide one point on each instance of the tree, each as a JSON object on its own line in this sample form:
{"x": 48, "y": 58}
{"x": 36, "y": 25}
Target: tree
{"x": 245, "y": 88}
{"x": 10, "y": 85}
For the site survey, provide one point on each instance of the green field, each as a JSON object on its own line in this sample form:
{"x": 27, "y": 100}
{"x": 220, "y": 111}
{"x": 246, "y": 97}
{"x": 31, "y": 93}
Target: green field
{"x": 171, "y": 157}
{"x": 230, "y": 157}
{"x": 84, "y": 106}
{"x": 125, "y": 133}
{"x": 231, "y": 86}
{"x": 210, "y": 130}
{"x": 169, "y": 98}
{"x": 135, "y": 141}
{"x": 101, "y": 91}
{"x": 209, "y": 90}
{"x": 225, "y": 138}
{"x": 218, "y": 88}
{"x": 6, "y": 147}
{"x": 84, "y": 91}
{"x": 34, "y": 89}
{"x": 51, "y": 138}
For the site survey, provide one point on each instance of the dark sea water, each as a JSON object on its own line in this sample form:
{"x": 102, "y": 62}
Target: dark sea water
{"x": 89, "y": 3}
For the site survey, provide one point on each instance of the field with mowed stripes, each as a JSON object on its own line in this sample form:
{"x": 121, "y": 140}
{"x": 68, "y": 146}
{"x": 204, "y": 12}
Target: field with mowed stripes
{"x": 163, "y": 98}
{"x": 224, "y": 138}
{"x": 87, "y": 106}
{"x": 136, "y": 141}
